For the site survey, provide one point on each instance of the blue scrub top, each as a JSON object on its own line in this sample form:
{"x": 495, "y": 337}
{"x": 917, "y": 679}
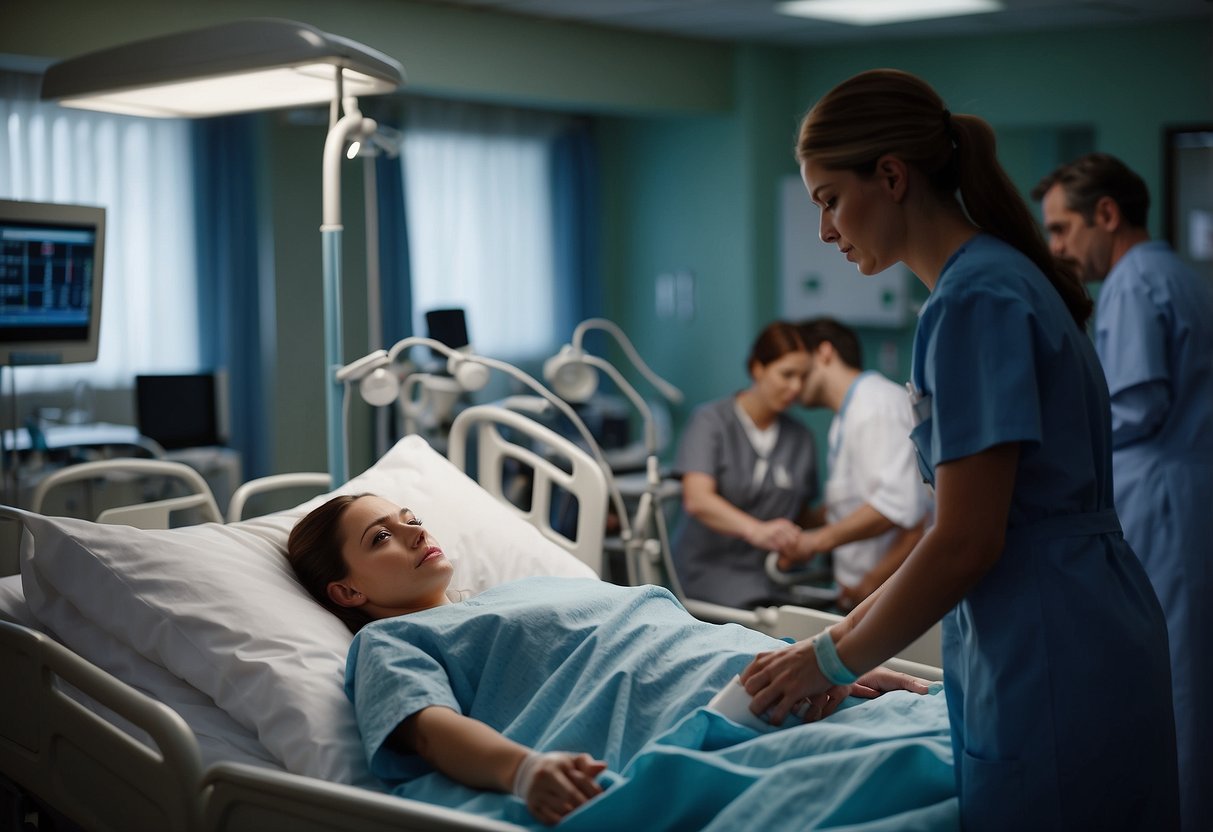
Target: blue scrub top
{"x": 1055, "y": 661}
{"x": 1154, "y": 336}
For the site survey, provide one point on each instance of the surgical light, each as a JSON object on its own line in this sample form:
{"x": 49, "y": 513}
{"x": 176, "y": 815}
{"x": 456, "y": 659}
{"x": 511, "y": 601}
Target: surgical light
{"x": 878, "y": 12}
{"x": 570, "y": 376}
{"x": 233, "y": 67}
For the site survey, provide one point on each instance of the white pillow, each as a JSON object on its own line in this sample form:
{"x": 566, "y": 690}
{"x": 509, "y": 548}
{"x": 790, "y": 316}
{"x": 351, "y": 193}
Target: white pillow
{"x": 219, "y": 607}
{"x": 219, "y": 736}
{"x": 12, "y": 601}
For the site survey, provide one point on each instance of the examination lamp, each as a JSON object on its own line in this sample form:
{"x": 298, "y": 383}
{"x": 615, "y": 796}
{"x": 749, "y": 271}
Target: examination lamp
{"x": 233, "y": 67}
{"x": 570, "y": 373}
{"x": 471, "y": 372}
{"x": 573, "y": 374}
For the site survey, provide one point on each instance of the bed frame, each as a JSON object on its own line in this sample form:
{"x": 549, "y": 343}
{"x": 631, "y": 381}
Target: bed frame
{"x": 55, "y": 752}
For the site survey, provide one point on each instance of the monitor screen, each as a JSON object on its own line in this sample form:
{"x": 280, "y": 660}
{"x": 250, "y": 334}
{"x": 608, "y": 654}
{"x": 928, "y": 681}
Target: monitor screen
{"x": 449, "y": 327}
{"x": 177, "y": 411}
{"x": 51, "y": 259}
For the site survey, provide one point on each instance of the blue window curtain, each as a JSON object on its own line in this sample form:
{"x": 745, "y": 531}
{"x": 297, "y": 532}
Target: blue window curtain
{"x": 395, "y": 285}
{"x": 395, "y": 293}
{"x": 576, "y": 222}
{"x": 235, "y": 285}
{"x": 478, "y": 191}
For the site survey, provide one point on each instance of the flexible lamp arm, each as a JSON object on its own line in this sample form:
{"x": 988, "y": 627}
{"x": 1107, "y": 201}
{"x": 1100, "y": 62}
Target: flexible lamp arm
{"x": 646, "y": 413}
{"x": 350, "y": 126}
{"x": 668, "y": 390}
{"x": 458, "y": 358}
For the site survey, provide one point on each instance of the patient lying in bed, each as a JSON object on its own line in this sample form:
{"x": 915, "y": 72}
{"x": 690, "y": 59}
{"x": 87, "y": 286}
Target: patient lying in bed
{"x": 554, "y": 688}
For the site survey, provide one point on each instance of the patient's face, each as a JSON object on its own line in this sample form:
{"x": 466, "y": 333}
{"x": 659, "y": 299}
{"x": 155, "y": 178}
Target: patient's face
{"x": 395, "y": 565}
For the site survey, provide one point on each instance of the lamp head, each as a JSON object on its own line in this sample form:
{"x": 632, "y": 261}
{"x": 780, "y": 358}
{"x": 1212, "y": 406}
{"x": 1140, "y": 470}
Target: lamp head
{"x": 380, "y": 387}
{"x": 571, "y": 378}
{"x": 471, "y": 375}
{"x": 231, "y": 67}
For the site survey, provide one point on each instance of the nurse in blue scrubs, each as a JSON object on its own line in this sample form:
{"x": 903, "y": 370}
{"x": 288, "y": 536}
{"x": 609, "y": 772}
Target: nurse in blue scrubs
{"x": 1055, "y": 646}
{"x": 1154, "y": 337}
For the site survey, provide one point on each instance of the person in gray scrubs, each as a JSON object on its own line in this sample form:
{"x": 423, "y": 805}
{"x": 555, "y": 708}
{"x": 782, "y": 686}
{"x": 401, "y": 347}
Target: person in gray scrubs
{"x": 749, "y": 473}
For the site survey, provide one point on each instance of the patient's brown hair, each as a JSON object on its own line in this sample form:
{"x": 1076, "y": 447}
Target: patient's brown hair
{"x": 314, "y": 552}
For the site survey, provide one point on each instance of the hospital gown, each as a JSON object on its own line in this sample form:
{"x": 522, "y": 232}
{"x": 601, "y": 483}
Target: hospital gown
{"x": 622, "y": 674}
{"x": 1154, "y": 336}
{"x": 728, "y": 570}
{"x": 1055, "y": 662}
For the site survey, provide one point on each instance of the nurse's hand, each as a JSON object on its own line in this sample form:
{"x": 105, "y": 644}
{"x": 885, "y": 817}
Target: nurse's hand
{"x": 783, "y": 681}
{"x": 772, "y": 535}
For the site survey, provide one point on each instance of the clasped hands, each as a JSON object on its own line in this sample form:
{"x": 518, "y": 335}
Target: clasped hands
{"x": 793, "y": 543}
{"x": 788, "y": 680}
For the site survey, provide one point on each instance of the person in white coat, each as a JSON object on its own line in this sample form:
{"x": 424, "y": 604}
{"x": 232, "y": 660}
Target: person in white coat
{"x": 876, "y": 505}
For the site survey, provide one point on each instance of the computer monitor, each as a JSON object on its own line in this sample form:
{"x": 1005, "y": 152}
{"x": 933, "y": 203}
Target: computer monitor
{"x": 51, "y": 259}
{"x": 178, "y": 411}
{"x": 449, "y": 327}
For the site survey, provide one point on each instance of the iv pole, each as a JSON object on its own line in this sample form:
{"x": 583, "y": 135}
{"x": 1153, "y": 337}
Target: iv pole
{"x": 341, "y": 131}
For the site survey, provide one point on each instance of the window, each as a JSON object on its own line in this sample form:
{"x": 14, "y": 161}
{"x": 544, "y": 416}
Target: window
{"x": 478, "y": 196}
{"x": 139, "y": 171}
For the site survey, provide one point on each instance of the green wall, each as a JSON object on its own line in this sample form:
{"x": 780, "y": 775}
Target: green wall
{"x": 694, "y": 137}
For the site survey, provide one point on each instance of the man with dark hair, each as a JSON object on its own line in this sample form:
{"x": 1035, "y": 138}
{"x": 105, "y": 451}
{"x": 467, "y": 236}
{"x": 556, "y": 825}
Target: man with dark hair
{"x": 1154, "y": 336}
{"x": 876, "y": 504}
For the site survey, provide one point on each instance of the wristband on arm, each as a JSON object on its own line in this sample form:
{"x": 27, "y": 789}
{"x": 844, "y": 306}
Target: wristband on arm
{"x": 828, "y": 663}
{"x": 525, "y": 775}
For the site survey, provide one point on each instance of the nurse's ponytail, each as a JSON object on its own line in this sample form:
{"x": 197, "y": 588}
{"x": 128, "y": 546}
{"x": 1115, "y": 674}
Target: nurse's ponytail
{"x": 995, "y": 206}
{"x": 889, "y": 111}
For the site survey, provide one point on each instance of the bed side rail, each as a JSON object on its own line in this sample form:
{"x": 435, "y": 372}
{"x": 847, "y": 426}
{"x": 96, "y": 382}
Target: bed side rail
{"x": 147, "y": 515}
{"x": 311, "y": 480}
{"x": 56, "y": 748}
{"x": 584, "y": 479}
{"x": 244, "y": 798}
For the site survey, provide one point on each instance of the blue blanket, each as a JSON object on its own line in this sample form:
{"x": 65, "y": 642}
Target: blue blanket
{"x": 623, "y": 674}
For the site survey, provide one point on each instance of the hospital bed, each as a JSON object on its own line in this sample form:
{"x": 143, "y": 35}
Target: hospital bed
{"x": 179, "y": 679}
{"x": 84, "y": 724}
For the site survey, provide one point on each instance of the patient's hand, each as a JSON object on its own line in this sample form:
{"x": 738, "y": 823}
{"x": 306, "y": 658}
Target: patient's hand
{"x": 557, "y": 782}
{"x": 882, "y": 680}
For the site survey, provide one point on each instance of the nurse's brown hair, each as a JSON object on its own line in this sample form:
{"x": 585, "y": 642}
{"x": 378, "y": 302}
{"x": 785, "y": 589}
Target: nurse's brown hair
{"x": 887, "y": 111}
{"x": 776, "y": 340}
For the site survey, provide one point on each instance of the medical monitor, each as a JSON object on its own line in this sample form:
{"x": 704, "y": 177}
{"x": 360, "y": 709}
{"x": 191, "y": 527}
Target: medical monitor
{"x": 178, "y": 410}
{"x": 449, "y": 327}
{"x": 51, "y": 259}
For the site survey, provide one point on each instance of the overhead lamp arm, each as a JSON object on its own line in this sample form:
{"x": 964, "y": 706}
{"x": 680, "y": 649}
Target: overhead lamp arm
{"x": 666, "y": 389}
